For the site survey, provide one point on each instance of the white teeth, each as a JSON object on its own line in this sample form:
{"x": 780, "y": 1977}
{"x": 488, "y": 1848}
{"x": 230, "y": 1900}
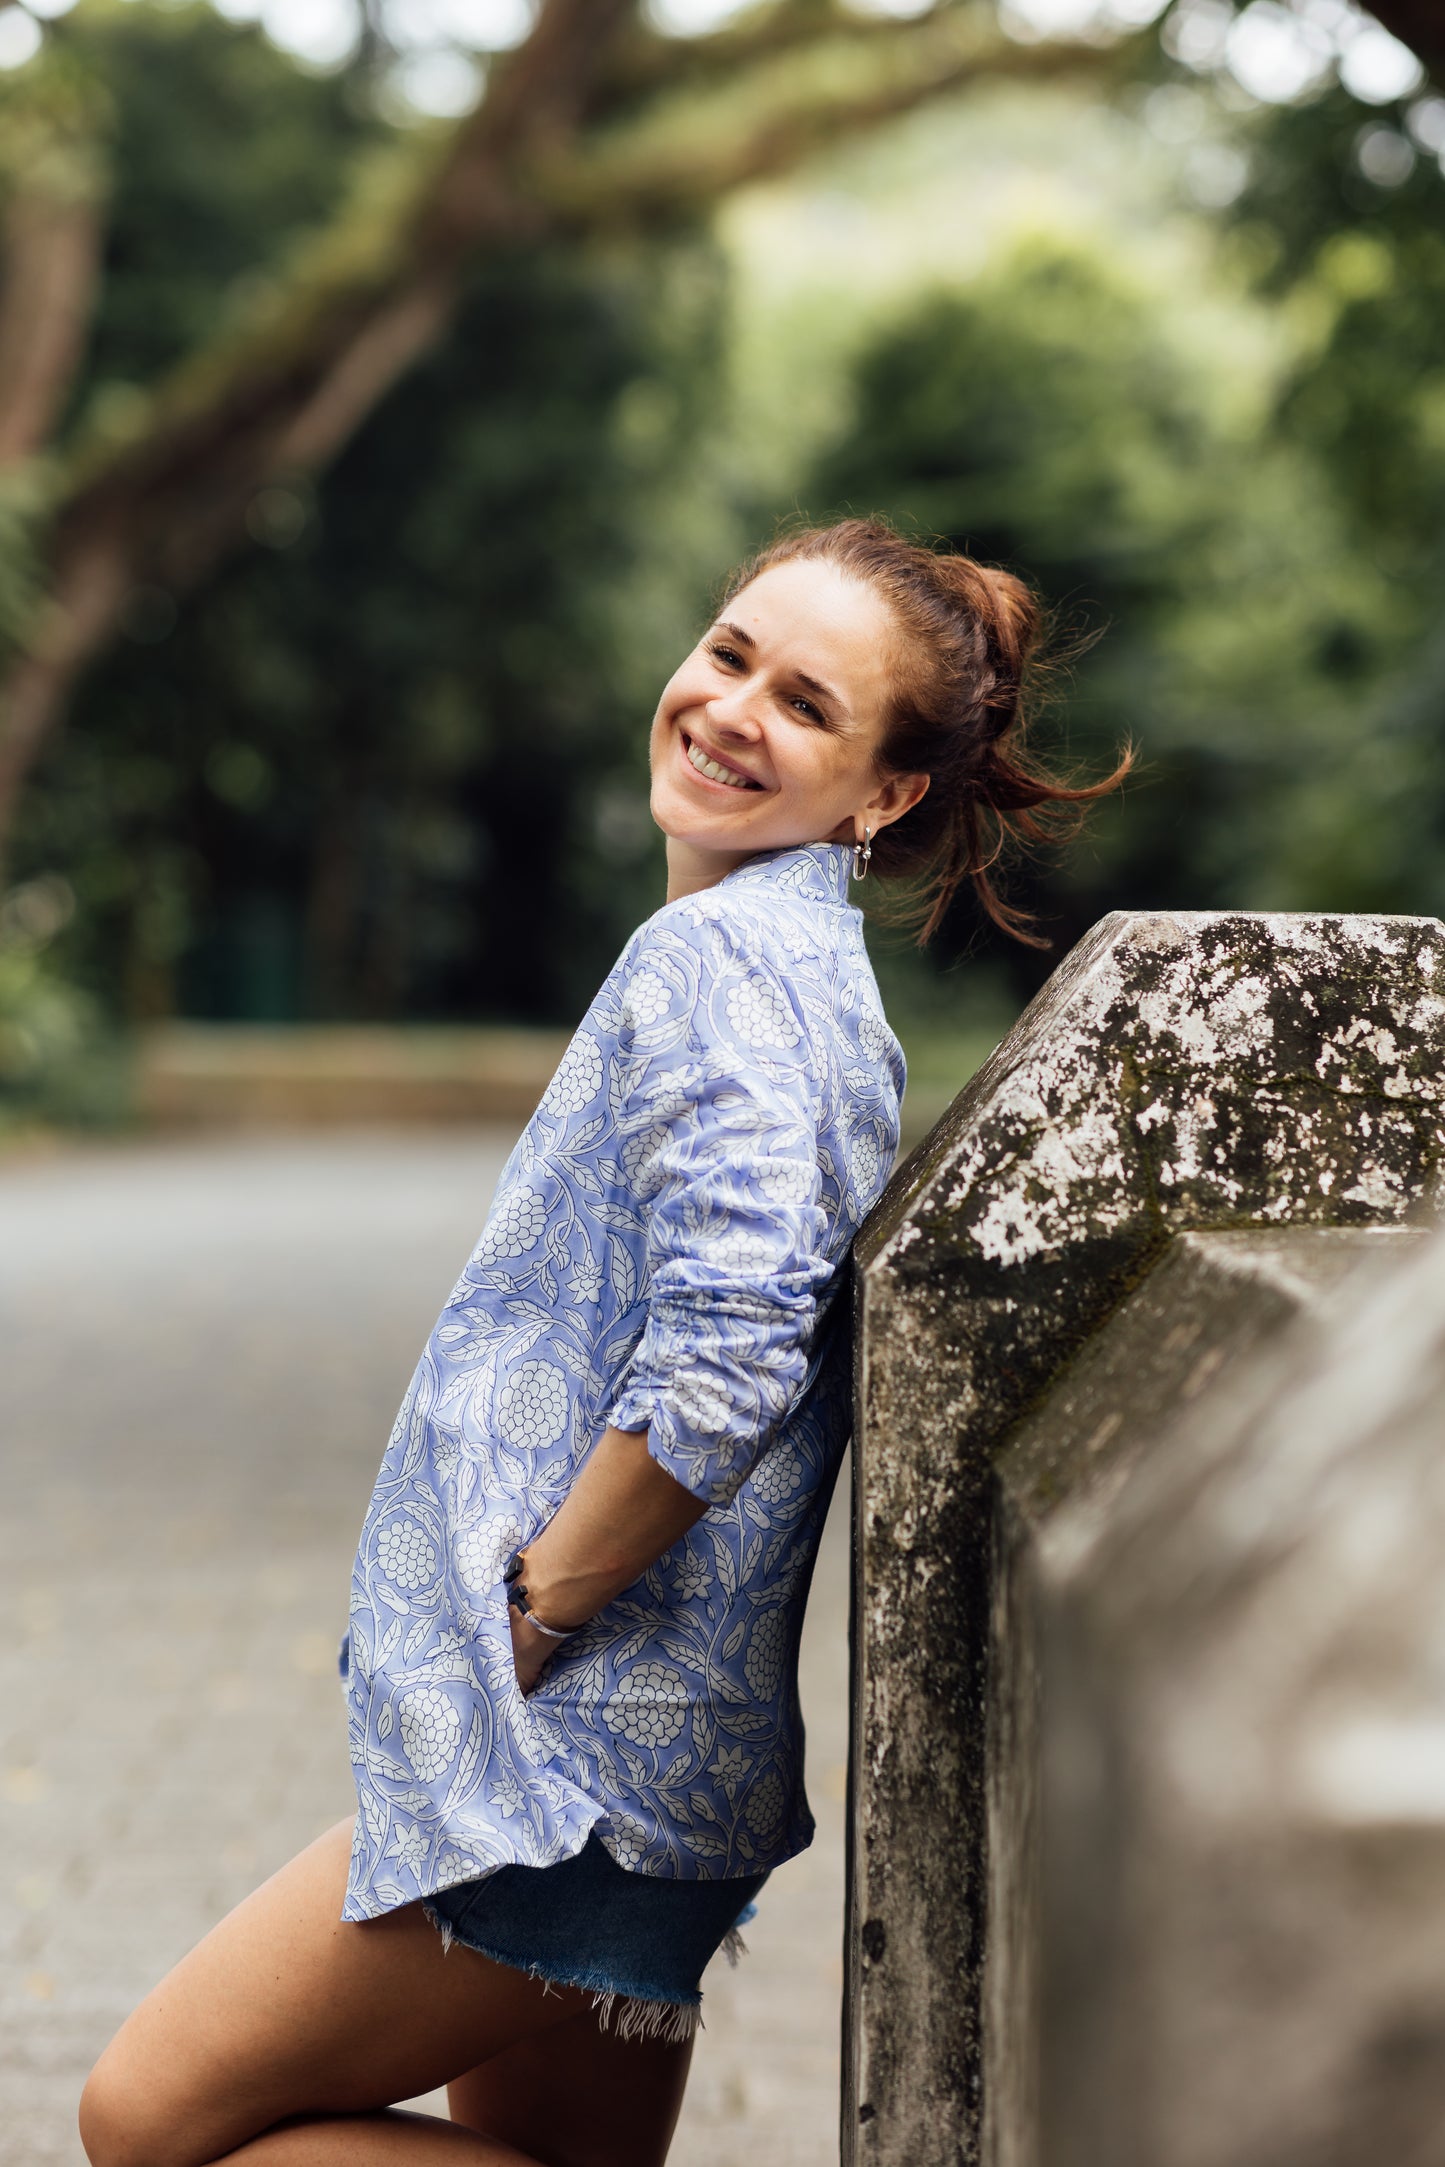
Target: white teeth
{"x": 711, "y": 768}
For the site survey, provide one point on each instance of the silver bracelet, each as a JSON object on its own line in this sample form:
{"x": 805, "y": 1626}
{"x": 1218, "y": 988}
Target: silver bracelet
{"x": 550, "y": 1630}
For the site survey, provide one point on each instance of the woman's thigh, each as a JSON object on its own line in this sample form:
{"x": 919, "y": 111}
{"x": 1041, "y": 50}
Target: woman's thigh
{"x": 578, "y": 2096}
{"x": 285, "y": 2010}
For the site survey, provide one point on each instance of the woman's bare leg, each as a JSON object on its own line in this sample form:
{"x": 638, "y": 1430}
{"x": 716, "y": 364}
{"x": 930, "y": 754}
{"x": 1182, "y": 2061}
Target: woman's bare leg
{"x": 284, "y": 2015}
{"x": 578, "y": 2096}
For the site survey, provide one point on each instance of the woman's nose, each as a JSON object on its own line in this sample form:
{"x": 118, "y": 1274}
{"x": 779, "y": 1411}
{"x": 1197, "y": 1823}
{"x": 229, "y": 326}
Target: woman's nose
{"x": 736, "y": 711}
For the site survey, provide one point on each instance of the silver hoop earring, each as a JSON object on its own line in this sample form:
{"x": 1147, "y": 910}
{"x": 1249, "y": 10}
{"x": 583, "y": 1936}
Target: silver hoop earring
{"x": 862, "y": 852}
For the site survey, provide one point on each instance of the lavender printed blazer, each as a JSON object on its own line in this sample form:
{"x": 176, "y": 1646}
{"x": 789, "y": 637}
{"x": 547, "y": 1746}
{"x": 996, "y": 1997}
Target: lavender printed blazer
{"x": 661, "y": 1254}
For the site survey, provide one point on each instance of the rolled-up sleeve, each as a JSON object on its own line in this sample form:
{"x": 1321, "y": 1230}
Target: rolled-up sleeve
{"x": 721, "y": 1139}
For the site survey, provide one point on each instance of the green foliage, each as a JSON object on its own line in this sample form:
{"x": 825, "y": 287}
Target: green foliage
{"x": 1044, "y": 418}
{"x": 221, "y": 151}
{"x": 383, "y": 765}
{"x": 58, "y": 1060}
{"x": 391, "y": 761}
{"x": 1364, "y": 266}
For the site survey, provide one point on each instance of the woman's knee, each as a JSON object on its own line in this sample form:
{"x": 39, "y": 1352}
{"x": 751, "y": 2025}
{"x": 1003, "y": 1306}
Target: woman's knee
{"x": 118, "y": 2118}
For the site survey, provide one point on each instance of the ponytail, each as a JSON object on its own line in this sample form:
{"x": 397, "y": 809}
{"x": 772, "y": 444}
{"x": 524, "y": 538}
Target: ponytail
{"x": 959, "y": 714}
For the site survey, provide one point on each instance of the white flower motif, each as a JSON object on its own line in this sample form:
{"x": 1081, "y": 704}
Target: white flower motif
{"x": 449, "y": 1658}
{"x": 640, "y": 1155}
{"x": 735, "y": 1249}
{"x": 874, "y": 1035}
{"x": 668, "y": 1100}
{"x": 778, "y": 1474}
{"x": 649, "y": 1706}
{"x": 786, "y": 1181}
{"x": 692, "y": 1577}
{"x": 408, "y": 1844}
{"x": 585, "y": 1277}
{"x": 406, "y": 1554}
{"x": 629, "y": 1838}
{"x": 532, "y": 1406}
{"x": 764, "y": 1809}
{"x": 454, "y": 1867}
{"x": 516, "y": 1225}
{"x": 730, "y": 1766}
{"x": 763, "y": 1663}
{"x": 506, "y": 1794}
{"x": 647, "y": 997}
{"x": 863, "y": 1154}
{"x": 431, "y": 1730}
{"x": 700, "y": 1402}
{"x": 579, "y": 1078}
{"x": 760, "y": 1015}
{"x": 483, "y": 1549}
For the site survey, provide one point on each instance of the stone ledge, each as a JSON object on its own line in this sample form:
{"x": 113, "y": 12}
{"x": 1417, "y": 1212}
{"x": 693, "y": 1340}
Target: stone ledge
{"x": 1194, "y": 1070}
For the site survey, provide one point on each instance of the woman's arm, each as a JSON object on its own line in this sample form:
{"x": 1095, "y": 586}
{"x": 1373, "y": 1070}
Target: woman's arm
{"x": 620, "y": 1515}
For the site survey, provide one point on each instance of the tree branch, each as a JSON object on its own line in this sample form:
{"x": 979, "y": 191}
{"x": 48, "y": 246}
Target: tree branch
{"x": 360, "y": 307}
{"x": 51, "y": 257}
{"x": 691, "y": 150}
{"x": 53, "y": 179}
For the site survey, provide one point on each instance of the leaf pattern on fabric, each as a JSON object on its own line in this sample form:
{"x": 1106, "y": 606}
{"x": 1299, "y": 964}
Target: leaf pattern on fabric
{"x": 663, "y": 1253}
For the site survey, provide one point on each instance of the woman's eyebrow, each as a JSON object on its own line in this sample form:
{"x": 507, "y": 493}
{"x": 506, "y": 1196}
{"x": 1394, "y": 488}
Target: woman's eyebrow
{"x": 813, "y": 684}
{"x": 824, "y": 692}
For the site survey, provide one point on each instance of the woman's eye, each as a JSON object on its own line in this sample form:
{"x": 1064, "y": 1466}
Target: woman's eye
{"x": 728, "y": 656}
{"x": 814, "y": 714}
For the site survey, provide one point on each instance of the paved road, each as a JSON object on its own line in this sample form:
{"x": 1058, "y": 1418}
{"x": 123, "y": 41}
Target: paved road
{"x": 201, "y": 1350}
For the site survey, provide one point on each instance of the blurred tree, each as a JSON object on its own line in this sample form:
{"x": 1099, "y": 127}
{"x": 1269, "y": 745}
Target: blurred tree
{"x": 1344, "y": 222}
{"x": 422, "y": 474}
{"x": 362, "y": 773}
{"x": 1042, "y": 419}
{"x": 595, "y": 124}
{"x": 1420, "y": 24}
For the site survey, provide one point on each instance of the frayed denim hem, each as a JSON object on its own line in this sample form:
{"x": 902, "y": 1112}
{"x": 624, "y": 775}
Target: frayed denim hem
{"x": 629, "y": 2016}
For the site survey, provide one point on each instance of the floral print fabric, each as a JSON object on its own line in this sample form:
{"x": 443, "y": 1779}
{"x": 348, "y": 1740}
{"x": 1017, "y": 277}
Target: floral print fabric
{"x": 661, "y": 1254}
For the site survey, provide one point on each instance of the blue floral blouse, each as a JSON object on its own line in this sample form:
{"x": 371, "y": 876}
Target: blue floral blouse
{"x": 661, "y": 1254}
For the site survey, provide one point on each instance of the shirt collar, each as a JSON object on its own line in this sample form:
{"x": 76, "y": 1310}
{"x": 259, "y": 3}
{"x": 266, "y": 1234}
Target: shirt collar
{"x": 818, "y": 871}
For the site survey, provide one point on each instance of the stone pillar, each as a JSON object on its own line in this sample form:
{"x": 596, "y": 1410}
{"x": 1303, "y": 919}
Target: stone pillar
{"x": 1218, "y": 1676}
{"x": 1213, "y": 1075}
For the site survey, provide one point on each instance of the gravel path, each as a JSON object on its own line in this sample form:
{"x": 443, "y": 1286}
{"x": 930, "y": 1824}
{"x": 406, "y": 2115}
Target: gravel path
{"x": 201, "y": 1350}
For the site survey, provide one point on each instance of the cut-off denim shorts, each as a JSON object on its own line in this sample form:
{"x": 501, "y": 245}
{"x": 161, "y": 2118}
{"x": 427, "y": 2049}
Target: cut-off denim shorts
{"x": 639, "y": 1946}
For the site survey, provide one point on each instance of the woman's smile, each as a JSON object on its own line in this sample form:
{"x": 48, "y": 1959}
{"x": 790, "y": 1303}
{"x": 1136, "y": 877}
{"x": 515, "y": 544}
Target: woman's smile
{"x": 767, "y": 734}
{"x": 712, "y": 769}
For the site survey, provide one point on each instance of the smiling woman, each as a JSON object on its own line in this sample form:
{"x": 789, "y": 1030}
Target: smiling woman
{"x": 571, "y": 1671}
{"x": 942, "y": 650}
{"x": 769, "y": 733}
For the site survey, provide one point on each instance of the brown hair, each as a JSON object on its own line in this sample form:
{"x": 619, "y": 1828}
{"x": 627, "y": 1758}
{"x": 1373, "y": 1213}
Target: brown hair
{"x": 971, "y": 636}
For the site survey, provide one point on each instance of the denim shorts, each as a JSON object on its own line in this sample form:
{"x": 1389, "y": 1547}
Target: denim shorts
{"x": 638, "y": 1945}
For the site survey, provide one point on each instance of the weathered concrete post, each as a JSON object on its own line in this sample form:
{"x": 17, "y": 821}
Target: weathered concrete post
{"x": 1220, "y": 1616}
{"x": 1202, "y": 1074}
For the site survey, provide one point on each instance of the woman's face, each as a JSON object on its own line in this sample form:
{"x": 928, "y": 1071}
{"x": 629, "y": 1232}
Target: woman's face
{"x": 767, "y": 735}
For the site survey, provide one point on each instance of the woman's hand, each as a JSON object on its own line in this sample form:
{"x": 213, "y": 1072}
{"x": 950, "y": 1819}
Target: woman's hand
{"x": 621, "y": 1514}
{"x": 531, "y": 1650}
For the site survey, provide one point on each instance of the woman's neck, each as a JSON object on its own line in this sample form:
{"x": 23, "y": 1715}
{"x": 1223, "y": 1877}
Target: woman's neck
{"x": 690, "y": 870}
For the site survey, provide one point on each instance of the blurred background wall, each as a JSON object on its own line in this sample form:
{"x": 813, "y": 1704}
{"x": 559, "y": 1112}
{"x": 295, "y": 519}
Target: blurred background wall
{"x": 1146, "y": 302}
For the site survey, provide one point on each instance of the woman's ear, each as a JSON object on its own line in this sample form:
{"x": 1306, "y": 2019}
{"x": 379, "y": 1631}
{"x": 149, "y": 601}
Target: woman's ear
{"x": 895, "y": 796}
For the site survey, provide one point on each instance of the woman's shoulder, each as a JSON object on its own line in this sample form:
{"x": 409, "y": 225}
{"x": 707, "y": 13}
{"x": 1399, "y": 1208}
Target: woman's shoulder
{"x": 733, "y": 923}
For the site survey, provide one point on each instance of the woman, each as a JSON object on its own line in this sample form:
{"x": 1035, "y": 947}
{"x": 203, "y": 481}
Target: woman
{"x": 579, "y": 1589}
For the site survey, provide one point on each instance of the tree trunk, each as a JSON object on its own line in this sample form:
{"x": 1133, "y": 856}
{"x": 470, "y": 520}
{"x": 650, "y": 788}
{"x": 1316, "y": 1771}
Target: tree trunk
{"x": 51, "y": 256}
